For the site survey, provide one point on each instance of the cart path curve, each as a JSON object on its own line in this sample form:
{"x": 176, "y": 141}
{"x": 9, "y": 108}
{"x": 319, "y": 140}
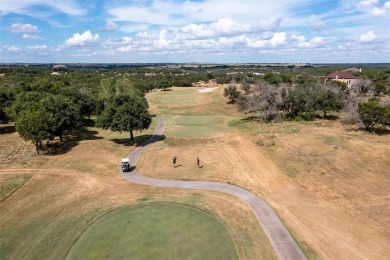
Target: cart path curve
{"x": 281, "y": 240}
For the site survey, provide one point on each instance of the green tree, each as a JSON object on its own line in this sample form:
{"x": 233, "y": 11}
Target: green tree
{"x": 33, "y": 124}
{"x": 125, "y": 114}
{"x": 107, "y": 89}
{"x": 25, "y": 100}
{"x": 6, "y": 100}
{"x": 66, "y": 115}
{"x": 372, "y": 113}
{"x": 328, "y": 100}
{"x": 164, "y": 84}
{"x": 231, "y": 93}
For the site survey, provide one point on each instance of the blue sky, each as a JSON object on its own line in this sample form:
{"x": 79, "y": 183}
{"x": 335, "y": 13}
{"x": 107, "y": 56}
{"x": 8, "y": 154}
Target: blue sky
{"x": 140, "y": 31}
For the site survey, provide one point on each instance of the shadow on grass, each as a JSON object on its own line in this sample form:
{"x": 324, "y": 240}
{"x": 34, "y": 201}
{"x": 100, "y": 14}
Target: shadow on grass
{"x": 7, "y": 129}
{"x": 250, "y": 119}
{"x": 327, "y": 117}
{"x": 71, "y": 141}
{"x": 332, "y": 117}
{"x": 141, "y": 140}
{"x": 376, "y": 130}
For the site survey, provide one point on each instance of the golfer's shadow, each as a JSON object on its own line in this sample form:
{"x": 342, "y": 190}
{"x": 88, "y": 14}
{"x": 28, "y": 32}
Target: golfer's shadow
{"x": 179, "y": 165}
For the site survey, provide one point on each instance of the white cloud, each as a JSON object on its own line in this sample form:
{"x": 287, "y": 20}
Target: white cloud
{"x": 87, "y": 39}
{"x": 24, "y": 28}
{"x": 24, "y": 7}
{"x": 316, "y": 23}
{"x": 268, "y": 24}
{"x": 127, "y": 40}
{"x": 110, "y": 26}
{"x": 124, "y": 49}
{"x": 134, "y": 28}
{"x": 163, "y": 42}
{"x": 278, "y": 39}
{"x": 378, "y": 11}
{"x": 368, "y": 2}
{"x": 368, "y": 37}
{"x": 180, "y": 13}
{"x": 12, "y": 48}
{"x": 386, "y": 5}
{"x": 315, "y": 42}
{"x": 299, "y": 38}
{"x": 27, "y": 36}
{"x": 37, "y": 47}
{"x": 231, "y": 41}
{"x": 257, "y": 44}
{"x": 225, "y": 27}
{"x": 196, "y": 31}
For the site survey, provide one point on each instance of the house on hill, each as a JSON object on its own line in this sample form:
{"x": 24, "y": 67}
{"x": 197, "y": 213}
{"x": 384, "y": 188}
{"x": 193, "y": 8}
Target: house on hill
{"x": 342, "y": 76}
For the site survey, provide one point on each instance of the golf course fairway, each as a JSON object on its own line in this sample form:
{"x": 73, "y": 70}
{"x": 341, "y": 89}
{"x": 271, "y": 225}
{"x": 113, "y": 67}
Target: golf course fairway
{"x": 155, "y": 231}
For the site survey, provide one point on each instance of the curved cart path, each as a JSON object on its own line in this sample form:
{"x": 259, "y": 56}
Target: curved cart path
{"x": 281, "y": 240}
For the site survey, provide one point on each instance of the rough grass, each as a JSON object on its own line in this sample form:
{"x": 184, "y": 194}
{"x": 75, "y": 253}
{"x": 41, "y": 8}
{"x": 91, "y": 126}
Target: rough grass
{"x": 69, "y": 190}
{"x": 155, "y": 231}
{"x": 9, "y": 183}
{"x": 309, "y": 171}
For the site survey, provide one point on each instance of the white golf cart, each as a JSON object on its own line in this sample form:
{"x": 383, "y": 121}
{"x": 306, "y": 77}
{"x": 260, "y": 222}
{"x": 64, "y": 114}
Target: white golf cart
{"x": 125, "y": 164}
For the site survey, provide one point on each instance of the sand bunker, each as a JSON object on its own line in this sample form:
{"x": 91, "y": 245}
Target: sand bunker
{"x": 206, "y": 90}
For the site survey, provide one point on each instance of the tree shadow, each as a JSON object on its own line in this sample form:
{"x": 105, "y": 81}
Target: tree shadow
{"x": 332, "y": 117}
{"x": 7, "y": 129}
{"x": 250, "y": 119}
{"x": 89, "y": 122}
{"x": 167, "y": 89}
{"x": 71, "y": 141}
{"x": 328, "y": 117}
{"x": 140, "y": 140}
{"x": 376, "y": 130}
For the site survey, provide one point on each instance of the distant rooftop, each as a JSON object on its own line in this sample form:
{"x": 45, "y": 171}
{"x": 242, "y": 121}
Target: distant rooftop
{"x": 340, "y": 75}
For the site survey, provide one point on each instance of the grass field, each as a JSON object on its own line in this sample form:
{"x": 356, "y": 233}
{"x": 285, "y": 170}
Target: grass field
{"x": 328, "y": 182}
{"x": 325, "y": 179}
{"x": 11, "y": 183}
{"x": 155, "y": 231}
{"x": 69, "y": 190}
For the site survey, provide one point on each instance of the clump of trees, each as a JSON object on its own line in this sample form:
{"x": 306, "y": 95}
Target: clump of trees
{"x": 125, "y": 113}
{"x": 373, "y": 114}
{"x": 303, "y": 98}
{"x": 41, "y": 116}
{"x": 278, "y": 97}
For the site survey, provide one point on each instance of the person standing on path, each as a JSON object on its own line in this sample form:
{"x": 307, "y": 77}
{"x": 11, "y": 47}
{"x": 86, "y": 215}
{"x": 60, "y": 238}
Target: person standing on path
{"x": 197, "y": 162}
{"x": 174, "y": 161}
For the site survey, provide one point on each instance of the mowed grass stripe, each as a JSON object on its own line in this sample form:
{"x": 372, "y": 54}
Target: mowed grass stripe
{"x": 155, "y": 231}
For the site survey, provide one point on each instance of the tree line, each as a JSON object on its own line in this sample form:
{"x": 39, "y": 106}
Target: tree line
{"x": 275, "y": 97}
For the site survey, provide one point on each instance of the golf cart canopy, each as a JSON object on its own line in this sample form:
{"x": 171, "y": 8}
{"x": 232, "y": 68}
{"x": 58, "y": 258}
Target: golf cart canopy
{"x": 125, "y": 160}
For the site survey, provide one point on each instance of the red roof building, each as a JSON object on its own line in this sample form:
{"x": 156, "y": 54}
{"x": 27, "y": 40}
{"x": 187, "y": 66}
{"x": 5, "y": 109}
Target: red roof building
{"x": 342, "y": 76}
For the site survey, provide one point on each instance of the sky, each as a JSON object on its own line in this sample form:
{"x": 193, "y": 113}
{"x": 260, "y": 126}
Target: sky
{"x": 182, "y": 31}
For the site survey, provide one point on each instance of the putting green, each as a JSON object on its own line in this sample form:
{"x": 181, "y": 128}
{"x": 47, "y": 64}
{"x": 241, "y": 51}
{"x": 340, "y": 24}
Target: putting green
{"x": 155, "y": 231}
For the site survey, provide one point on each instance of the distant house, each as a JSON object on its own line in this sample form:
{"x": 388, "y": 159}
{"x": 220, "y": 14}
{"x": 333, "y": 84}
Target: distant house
{"x": 58, "y": 67}
{"x": 342, "y": 76}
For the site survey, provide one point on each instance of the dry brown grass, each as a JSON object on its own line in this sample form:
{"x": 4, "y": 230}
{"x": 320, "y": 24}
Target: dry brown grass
{"x": 69, "y": 191}
{"x": 329, "y": 183}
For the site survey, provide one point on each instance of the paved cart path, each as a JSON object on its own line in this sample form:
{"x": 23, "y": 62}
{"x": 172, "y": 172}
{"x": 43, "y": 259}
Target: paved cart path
{"x": 281, "y": 240}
